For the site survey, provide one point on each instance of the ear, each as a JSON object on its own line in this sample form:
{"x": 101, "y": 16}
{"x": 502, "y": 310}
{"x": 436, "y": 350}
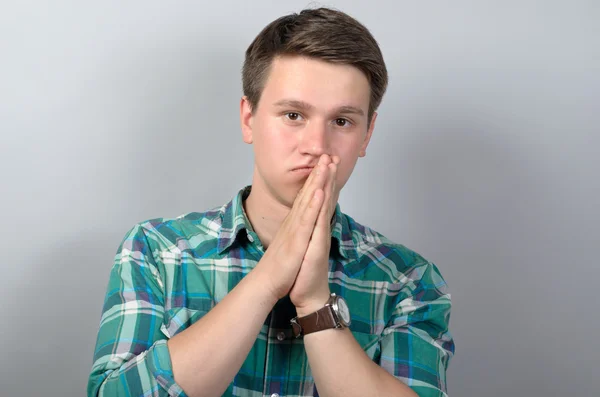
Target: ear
{"x": 246, "y": 119}
{"x": 363, "y": 148}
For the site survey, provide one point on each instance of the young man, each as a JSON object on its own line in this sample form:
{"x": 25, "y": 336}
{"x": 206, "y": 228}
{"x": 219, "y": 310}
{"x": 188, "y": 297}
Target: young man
{"x": 278, "y": 293}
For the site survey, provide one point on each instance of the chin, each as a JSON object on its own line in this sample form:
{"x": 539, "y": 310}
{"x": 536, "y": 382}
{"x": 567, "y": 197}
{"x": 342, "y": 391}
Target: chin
{"x": 288, "y": 195}
{"x": 282, "y": 192}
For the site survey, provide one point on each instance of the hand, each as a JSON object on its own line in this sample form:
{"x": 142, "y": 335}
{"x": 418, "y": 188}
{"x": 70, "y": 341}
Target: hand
{"x": 311, "y": 289}
{"x": 285, "y": 254}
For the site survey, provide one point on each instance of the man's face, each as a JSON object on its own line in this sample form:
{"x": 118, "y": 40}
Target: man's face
{"x": 308, "y": 107}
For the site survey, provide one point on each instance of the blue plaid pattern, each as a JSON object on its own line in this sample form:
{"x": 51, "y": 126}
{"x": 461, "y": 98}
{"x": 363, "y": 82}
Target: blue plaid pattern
{"x": 168, "y": 273}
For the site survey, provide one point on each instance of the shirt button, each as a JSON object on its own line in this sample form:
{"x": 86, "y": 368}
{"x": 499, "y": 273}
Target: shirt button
{"x": 250, "y": 238}
{"x": 275, "y": 395}
{"x": 280, "y": 336}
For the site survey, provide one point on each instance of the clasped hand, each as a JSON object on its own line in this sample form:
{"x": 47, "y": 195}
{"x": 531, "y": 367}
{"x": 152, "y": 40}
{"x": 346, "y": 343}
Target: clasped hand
{"x": 297, "y": 260}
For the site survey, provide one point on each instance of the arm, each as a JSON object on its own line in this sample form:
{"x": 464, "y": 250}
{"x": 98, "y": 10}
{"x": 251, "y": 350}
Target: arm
{"x": 242, "y": 312}
{"x": 245, "y": 308}
{"x": 133, "y": 357}
{"x": 416, "y": 347}
{"x": 341, "y": 368}
{"x": 338, "y": 364}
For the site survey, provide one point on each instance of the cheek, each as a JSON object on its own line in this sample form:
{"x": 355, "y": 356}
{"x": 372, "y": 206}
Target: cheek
{"x": 273, "y": 145}
{"x": 273, "y": 134}
{"x": 344, "y": 171}
{"x": 348, "y": 152}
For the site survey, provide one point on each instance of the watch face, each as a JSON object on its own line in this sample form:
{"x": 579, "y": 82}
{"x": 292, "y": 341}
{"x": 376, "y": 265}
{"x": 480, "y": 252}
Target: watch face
{"x": 343, "y": 311}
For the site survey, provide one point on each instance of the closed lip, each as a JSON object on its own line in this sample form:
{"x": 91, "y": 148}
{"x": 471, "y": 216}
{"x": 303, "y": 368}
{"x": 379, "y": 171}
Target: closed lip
{"x": 303, "y": 170}
{"x": 304, "y": 167}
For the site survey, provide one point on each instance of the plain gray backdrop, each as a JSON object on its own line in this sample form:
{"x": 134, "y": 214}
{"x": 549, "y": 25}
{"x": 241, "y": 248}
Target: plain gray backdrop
{"x": 484, "y": 160}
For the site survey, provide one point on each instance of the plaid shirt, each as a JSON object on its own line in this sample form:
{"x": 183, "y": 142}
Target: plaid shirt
{"x": 168, "y": 273}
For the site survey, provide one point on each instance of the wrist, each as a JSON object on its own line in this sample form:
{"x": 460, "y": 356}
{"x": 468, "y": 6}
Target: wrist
{"x": 313, "y": 304}
{"x": 261, "y": 283}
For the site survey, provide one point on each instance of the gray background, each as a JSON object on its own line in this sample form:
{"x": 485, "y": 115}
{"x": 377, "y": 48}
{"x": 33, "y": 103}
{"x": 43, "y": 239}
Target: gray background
{"x": 484, "y": 160}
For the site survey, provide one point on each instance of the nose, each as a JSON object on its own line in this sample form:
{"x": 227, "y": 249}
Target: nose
{"x": 314, "y": 140}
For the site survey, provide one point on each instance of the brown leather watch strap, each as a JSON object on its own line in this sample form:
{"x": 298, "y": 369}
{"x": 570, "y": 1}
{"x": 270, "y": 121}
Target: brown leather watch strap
{"x": 318, "y": 321}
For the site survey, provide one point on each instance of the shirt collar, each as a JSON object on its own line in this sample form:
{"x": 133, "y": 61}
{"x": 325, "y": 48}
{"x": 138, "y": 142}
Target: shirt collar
{"x": 234, "y": 221}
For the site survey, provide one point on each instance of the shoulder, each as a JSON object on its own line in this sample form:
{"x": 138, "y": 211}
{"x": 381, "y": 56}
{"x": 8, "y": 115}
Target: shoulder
{"x": 379, "y": 258}
{"x": 175, "y": 234}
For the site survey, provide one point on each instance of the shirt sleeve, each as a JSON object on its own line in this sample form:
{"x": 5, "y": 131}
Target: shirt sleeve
{"x": 131, "y": 357}
{"x": 416, "y": 345}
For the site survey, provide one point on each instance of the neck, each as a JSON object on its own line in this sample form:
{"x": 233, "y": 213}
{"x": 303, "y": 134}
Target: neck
{"x": 265, "y": 212}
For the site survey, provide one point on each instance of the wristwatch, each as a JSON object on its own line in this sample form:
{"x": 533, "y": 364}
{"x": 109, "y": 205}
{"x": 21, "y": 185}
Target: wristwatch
{"x": 335, "y": 314}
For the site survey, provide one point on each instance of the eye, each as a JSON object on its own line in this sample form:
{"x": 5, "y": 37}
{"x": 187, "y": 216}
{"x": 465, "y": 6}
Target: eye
{"x": 342, "y": 122}
{"x": 292, "y": 116}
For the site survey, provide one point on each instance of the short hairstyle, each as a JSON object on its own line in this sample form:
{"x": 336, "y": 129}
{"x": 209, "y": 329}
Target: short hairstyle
{"x": 321, "y": 33}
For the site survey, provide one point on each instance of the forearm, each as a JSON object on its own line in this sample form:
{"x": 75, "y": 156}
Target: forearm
{"x": 137, "y": 376}
{"x": 341, "y": 368}
{"x": 207, "y": 356}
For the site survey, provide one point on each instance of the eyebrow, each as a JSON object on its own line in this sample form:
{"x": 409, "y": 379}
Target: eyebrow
{"x": 307, "y": 106}
{"x": 351, "y": 110}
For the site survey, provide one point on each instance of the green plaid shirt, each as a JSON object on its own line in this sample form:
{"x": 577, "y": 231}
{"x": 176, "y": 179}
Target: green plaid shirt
{"x": 168, "y": 273}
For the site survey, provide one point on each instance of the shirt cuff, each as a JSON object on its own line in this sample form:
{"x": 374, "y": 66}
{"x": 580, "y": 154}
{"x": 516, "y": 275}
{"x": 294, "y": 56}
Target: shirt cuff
{"x": 162, "y": 369}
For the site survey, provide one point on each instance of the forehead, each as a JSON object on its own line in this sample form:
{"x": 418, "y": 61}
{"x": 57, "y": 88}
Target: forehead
{"x": 320, "y": 83}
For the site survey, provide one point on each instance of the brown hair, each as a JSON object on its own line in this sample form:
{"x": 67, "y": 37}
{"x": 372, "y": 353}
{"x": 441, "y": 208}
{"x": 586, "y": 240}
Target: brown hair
{"x": 321, "y": 33}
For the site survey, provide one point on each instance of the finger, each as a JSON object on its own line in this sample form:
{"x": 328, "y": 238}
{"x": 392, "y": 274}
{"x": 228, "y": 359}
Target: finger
{"x": 326, "y": 159}
{"x": 308, "y": 219}
{"x": 334, "y": 193}
{"x": 315, "y": 181}
{"x": 303, "y": 215}
{"x": 315, "y": 193}
{"x": 302, "y": 190}
{"x": 306, "y": 214}
{"x": 322, "y": 230}
{"x": 336, "y": 200}
{"x": 323, "y": 220}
